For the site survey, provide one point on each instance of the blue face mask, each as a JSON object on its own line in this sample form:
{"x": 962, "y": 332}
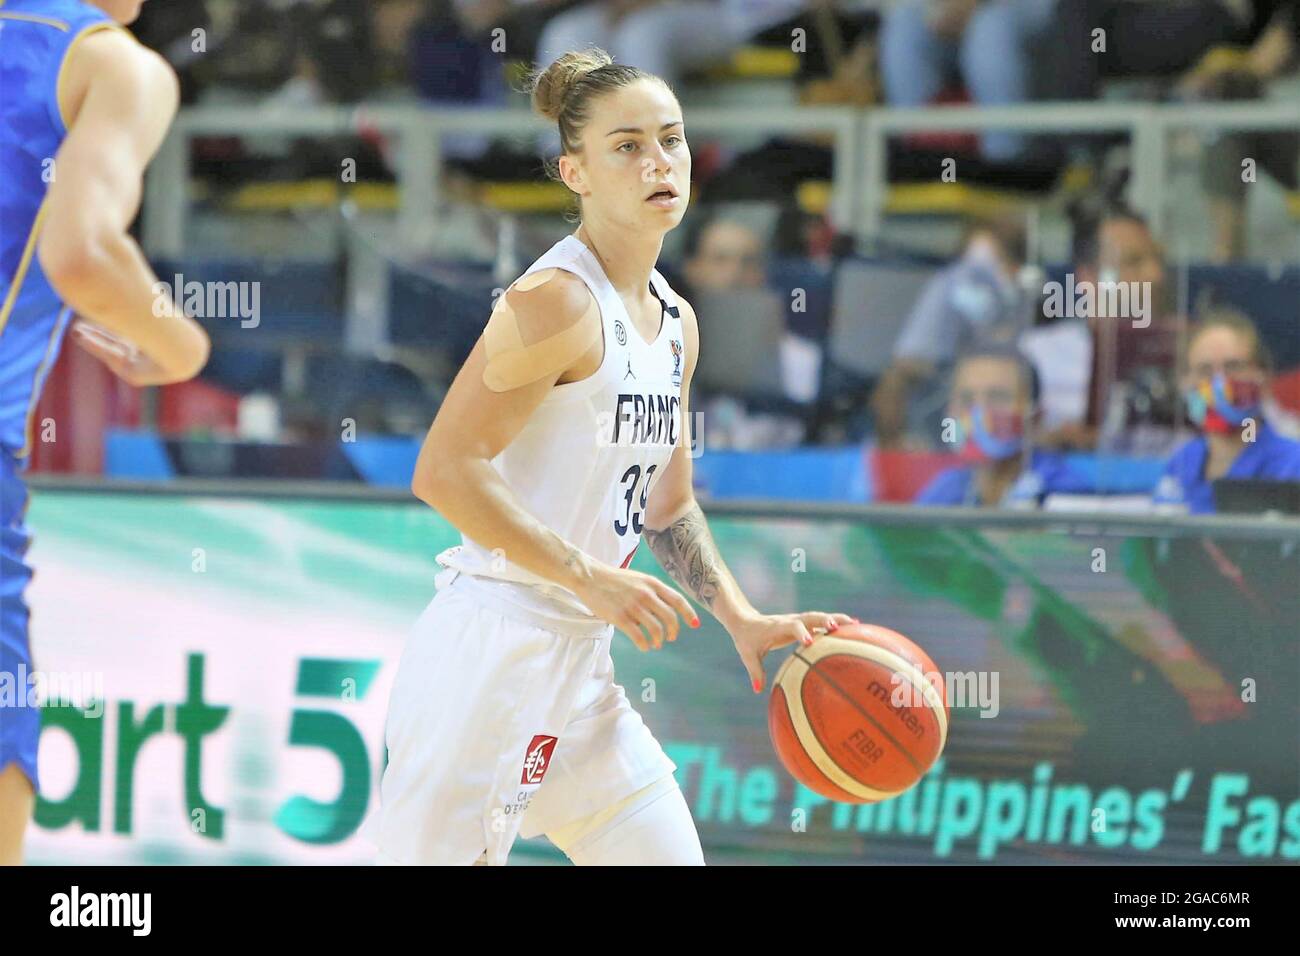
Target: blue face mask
{"x": 985, "y": 437}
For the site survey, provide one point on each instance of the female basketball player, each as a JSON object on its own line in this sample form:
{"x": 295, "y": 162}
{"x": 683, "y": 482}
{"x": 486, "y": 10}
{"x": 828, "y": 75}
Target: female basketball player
{"x": 561, "y": 440}
{"x": 84, "y": 109}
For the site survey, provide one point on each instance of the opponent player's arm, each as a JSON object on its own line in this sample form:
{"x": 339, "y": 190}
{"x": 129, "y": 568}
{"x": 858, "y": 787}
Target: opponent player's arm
{"x": 119, "y": 98}
{"x": 675, "y": 527}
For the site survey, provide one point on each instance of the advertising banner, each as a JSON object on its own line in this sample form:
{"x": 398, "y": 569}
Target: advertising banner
{"x": 214, "y": 674}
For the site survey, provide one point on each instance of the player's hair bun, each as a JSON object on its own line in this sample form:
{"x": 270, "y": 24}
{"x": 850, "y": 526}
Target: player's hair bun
{"x": 553, "y": 84}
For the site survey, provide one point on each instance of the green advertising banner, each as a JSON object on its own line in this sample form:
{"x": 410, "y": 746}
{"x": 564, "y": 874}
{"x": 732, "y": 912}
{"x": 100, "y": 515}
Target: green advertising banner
{"x": 214, "y": 672}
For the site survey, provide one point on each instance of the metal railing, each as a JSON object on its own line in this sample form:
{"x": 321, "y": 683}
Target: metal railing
{"x": 860, "y": 175}
{"x": 419, "y": 161}
{"x": 1263, "y": 527}
{"x": 1148, "y": 126}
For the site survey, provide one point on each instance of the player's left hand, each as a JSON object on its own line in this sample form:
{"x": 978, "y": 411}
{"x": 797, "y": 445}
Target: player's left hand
{"x": 758, "y": 635}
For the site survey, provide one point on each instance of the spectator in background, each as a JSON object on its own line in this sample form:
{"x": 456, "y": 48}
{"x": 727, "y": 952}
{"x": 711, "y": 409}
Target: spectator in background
{"x": 978, "y": 300}
{"x": 522, "y": 21}
{"x": 339, "y": 46}
{"x": 1226, "y": 74}
{"x": 1225, "y": 384}
{"x": 989, "y": 46}
{"x": 463, "y": 39}
{"x": 725, "y": 258}
{"x": 331, "y": 51}
{"x": 1143, "y": 38}
{"x": 664, "y": 37}
{"x": 991, "y": 415}
{"x": 726, "y": 255}
{"x": 1105, "y": 375}
{"x": 450, "y": 59}
{"x": 723, "y": 254}
{"x": 171, "y": 28}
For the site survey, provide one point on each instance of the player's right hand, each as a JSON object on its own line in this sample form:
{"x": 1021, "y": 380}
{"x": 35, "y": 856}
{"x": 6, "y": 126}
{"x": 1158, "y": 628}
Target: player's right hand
{"x": 123, "y": 359}
{"x": 639, "y": 605}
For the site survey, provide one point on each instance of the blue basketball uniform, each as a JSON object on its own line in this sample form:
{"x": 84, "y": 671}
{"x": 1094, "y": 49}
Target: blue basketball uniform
{"x": 35, "y": 38}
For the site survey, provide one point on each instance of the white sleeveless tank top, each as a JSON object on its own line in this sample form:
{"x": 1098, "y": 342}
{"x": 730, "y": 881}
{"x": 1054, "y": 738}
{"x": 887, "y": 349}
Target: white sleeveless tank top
{"x": 590, "y": 456}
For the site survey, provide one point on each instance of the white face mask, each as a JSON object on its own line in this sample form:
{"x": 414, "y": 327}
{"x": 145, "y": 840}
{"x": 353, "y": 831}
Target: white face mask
{"x": 983, "y": 250}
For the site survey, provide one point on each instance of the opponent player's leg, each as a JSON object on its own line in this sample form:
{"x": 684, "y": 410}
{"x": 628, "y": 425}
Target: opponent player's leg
{"x": 20, "y": 718}
{"x": 652, "y": 827}
{"x": 17, "y": 799}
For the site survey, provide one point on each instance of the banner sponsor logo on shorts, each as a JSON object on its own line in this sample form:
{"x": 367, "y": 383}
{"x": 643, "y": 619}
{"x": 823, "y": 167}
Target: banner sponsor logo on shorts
{"x": 537, "y": 759}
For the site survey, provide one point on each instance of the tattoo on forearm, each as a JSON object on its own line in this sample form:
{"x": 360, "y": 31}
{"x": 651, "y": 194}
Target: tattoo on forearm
{"x": 571, "y": 555}
{"x": 687, "y": 552}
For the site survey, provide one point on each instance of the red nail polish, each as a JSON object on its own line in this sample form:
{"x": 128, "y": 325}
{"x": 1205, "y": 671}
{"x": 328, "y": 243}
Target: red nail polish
{"x": 695, "y": 622}
{"x": 756, "y": 687}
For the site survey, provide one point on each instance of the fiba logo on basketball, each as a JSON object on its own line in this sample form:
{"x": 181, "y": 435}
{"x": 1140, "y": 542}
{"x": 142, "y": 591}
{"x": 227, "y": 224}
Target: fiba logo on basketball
{"x": 835, "y": 726}
{"x": 537, "y": 759}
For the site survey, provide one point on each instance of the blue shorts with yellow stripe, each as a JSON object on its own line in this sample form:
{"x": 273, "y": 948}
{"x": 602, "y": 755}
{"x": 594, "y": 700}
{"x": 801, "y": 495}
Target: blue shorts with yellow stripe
{"x": 20, "y": 721}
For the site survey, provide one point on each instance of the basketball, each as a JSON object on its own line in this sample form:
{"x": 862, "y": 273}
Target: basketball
{"x": 860, "y": 715}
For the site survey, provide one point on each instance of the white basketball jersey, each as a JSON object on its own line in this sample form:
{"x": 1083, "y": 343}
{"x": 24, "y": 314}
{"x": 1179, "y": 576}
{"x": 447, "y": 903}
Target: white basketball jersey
{"x": 587, "y": 461}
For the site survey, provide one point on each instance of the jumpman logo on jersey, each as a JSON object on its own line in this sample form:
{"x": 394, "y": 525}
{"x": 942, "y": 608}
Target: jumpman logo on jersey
{"x": 629, "y": 374}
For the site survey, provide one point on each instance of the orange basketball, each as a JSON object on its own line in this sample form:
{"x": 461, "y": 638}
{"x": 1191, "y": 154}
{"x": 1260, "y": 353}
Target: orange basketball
{"x": 860, "y": 715}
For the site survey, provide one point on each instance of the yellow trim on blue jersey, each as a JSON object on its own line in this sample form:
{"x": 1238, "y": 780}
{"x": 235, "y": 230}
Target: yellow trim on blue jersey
{"x": 34, "y": 18}
{"x": 67, "y": 55}
{"x": 21, "y": 273}
{"x": 37, "y": 383}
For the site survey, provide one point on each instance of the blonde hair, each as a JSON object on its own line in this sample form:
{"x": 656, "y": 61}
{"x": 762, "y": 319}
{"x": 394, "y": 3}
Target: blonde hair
{"x": 1222, "y": 317}
{"x": 563, "y": 92}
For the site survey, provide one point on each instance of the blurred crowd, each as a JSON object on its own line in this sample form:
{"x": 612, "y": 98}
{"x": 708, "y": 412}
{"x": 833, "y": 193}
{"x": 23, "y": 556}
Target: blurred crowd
{"x": 972, "y": 356}
{"x": 904, "y": 53}
{"x": 987, "y": 367}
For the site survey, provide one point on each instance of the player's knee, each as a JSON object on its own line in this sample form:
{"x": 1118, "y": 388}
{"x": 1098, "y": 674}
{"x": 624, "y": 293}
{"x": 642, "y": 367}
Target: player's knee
{"x": 17, "y": 799}
{"x": 653, "y": 827}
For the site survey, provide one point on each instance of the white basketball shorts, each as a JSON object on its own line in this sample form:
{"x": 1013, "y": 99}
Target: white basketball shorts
{"x": 503, "y": 720}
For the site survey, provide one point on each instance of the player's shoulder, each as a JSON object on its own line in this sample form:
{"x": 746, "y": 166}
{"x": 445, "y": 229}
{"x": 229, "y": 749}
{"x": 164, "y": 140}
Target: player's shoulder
{"x": 114, "y": 55}
{"x": 690, "y": 332}
{"x": 686, "y": 312}
{"x": 686, "y": 309}
{"x": 106, "y": 41}
{"x": 550, "y": 300}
